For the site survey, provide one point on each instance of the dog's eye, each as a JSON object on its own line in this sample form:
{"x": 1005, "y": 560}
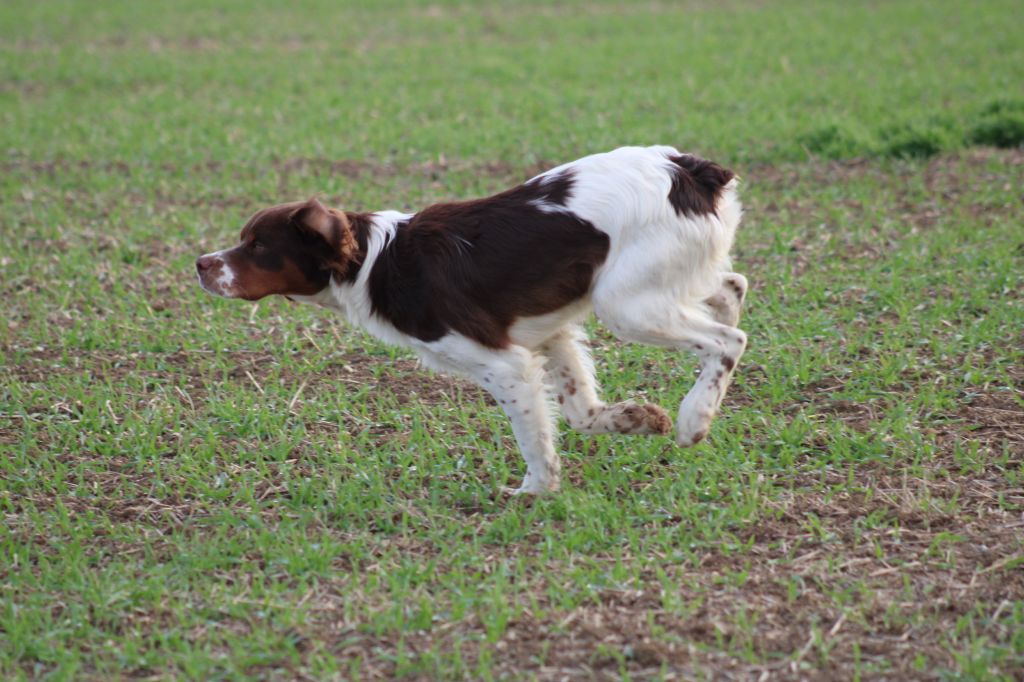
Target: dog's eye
{"x": 256, "y": 245}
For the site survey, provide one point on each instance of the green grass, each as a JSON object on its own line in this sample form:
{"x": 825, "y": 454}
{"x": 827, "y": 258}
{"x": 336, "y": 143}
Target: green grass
{"x": 204, "y": 489}
{"x": 190, "y": 82}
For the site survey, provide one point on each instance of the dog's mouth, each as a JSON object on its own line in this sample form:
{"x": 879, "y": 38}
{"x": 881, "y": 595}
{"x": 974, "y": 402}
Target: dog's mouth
{"x": 211, "y": 288}
{"x": 215, "y": 277}
{"x": 234, "y": 292}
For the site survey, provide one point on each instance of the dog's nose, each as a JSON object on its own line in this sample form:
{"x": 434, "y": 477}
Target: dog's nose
{"x": 204, "y": 263}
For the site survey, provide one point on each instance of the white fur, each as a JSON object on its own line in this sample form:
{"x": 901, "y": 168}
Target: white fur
{"x": 623, "y": 193}
{"x": 226, "y": 279}
{"x": 666, "y": 281}
{"x": 224, "y": 284}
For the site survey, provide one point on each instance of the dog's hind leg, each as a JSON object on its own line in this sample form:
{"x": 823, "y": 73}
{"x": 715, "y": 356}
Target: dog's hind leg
{"x": 571, "y": 372}
{"x": 654, "y": 318}
{"x": 727, "y": 302}
{"x": 514, "y": 376}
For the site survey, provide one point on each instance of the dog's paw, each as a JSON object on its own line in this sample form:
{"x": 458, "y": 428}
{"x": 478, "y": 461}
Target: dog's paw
{"x": 525, "y": 493}
{"x": 727, "y": 303}
{"x": 510, "y": 493}
{"x": 736, "y": 285}
{"x": 631, "y": 418}
{"x": 533, "y": 486}
{"x": 657, "y": 419}
{"x": 688, "y": 440}
{"x": 692, "y": 429}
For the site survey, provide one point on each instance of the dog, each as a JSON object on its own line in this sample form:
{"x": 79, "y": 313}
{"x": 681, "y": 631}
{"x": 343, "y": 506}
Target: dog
{"x": 497, "y": 289}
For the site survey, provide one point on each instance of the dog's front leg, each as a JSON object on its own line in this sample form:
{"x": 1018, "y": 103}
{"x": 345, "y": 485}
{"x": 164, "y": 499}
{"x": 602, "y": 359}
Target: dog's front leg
{"x": 514, "y": 376}
{"x": 571, "y": 371}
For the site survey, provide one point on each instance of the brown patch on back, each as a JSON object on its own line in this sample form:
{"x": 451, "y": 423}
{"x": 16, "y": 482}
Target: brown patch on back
{"x": 696, "y": 185}
{"x": 474, "y": 267}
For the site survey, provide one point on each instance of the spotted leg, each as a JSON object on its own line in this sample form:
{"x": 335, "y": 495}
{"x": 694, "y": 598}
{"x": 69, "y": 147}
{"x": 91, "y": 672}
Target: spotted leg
{"x": 656, "y": 319}
{"x": 514, "y": 376}
{"x": 726, "y": 304}
{"x": 571, "y": 372}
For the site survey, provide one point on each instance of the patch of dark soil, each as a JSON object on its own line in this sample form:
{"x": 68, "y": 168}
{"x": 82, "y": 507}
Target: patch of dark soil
{"x": 949, "y": 189}
{"x": 303, "y": 165}
{"x": 991, "y": 416}
{"x": 403, "y": 377}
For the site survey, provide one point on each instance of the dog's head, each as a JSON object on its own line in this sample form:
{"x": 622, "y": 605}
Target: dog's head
{"x": 289, "y": 249}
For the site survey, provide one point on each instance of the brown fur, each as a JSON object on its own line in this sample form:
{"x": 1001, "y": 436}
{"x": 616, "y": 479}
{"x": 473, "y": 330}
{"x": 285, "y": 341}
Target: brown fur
{"x": 473, "y": 267}
{"x": 476, "y": 266}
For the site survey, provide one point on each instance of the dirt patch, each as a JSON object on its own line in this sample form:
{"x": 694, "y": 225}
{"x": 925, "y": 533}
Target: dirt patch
{"x": 941, "y": 172}
{"x": 909, "y": 577}
{"x": 304, "y": 165}
{"x": 950, "y": 182}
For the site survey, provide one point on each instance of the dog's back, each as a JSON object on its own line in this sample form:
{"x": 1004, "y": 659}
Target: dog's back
{"x": 671, "y": 217}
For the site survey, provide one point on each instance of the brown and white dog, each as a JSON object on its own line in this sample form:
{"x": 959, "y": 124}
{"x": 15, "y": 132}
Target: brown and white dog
{"x": 496, "y": 289}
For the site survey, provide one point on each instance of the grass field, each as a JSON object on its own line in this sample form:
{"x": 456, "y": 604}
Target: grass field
{"x": 196, "y": 488}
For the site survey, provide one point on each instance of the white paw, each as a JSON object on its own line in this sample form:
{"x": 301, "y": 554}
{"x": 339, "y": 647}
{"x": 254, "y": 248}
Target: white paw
{"x": 692, "y": 429}
{"x": 533, "y": 485}
{"x": 523, "y": 491}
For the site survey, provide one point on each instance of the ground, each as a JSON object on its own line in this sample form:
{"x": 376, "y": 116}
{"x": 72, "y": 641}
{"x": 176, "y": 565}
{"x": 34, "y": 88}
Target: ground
{"x": 208, "y": 489}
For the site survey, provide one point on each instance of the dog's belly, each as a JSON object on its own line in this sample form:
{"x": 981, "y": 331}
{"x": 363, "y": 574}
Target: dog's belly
{"x": 531, "y": 332}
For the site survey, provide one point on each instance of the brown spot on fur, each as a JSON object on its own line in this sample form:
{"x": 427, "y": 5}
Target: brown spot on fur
{"x": 728, "y": 363}
{"x": 632, "y": 418}
{"x": 561, "y": 399}
{"x": 658, "y": 419}
{"x": 449, "y": 267}
{"x": 557, "y": 188}
{"x": 696, "y": 185}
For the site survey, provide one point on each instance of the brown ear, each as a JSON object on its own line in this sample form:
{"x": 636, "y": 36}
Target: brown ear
{"x": 334, "y": 227}
{"x": 314, "y": 217}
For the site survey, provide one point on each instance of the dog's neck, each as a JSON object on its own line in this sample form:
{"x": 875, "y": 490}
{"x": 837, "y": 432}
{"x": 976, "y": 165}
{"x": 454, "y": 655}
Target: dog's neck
{"x": 347, "y": 294}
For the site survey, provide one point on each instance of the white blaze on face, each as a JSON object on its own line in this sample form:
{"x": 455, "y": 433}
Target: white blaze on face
{"x": 227, "y": 277}
{"x": 216, "y": 276}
